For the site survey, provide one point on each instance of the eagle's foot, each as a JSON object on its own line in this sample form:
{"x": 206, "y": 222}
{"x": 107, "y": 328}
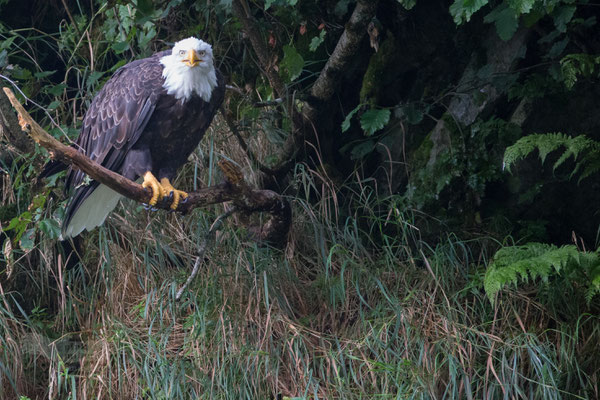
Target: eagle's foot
{"x": 177, "y": 195}
{"x": 158, "y": 192}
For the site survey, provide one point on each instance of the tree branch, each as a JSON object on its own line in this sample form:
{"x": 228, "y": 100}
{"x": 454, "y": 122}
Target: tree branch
{"x": 345, "y": 49}
{"x": 244, "y": 198}
{"x": 305, "y": 122}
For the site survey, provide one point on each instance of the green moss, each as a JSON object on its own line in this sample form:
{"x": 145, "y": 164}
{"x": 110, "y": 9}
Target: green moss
{"x": 380, "y": 72}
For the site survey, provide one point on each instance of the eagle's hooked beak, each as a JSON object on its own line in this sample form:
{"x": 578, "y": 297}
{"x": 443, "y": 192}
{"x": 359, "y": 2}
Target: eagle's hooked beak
{"x": 192, "y": 59}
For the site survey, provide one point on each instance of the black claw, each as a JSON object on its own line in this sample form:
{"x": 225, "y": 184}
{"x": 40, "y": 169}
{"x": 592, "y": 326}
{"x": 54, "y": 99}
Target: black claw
{"x": 170, "y": 196}
{"x": 149, "y": 207}
{"x": 184, "y": 200}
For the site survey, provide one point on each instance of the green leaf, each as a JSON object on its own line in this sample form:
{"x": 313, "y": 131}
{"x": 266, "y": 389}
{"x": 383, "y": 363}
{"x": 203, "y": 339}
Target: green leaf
{"x": 374, "y": 119}
{"x": 407, "y": 4}
{"x": 57, "y": 89}
{"x": 120, "y": 47}
{"x": 27, "y": 241}
{"x": 410, "y": 113}
{"x": 43, "y": 74}
{"x": 562, "y": 16}
{"x": 521, "y": 6}
{"x": 292, "y": 62}
{"x": 53, "y": 106}
{"x": 462, "y": 10}
{"x": 317, "y": 41}
{"x": 12, "y": 224}
{"x": 346, "y": 122}
{"x": 269, "y": 3}
{"x": 7, "y": 43}
{"x": 505, "y": 19}
{"x": 50, "y": 227}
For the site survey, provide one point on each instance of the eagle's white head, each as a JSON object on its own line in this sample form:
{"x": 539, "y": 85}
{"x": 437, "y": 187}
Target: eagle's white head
{"x": 189, "y": 69}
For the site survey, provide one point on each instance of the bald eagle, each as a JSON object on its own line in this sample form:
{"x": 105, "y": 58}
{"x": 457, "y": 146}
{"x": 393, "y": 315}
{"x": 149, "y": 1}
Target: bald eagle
{"x": 144, "y": 123}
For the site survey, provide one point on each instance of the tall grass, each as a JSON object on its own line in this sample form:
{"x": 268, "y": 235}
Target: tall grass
{"x": 357, "y": 309}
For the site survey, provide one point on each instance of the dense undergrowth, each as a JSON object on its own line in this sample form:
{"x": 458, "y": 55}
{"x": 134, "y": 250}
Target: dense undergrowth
{"x": 355, "y": 306}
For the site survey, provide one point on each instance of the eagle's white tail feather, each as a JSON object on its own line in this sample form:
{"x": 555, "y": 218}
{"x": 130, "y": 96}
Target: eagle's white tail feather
{"x": 93, "y": 211}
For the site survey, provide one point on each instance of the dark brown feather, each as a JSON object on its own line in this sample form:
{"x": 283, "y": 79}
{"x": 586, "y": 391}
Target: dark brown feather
{"x": 133, "y": 125}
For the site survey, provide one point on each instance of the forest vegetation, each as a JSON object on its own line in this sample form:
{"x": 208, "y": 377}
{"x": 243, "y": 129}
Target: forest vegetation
{"x": 441, "y": 161}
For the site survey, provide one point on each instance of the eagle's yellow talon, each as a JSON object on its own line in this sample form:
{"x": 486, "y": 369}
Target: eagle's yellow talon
{"x": 158, "y": 192}
{"x": 177, "y": 194}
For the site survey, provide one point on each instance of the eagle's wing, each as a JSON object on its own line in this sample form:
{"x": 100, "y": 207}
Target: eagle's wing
{"x": 114, "y": 122}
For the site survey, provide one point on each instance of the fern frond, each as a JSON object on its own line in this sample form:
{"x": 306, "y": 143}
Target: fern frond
{"x": 545, "y": 143}
{"x": 591, "y": 168}
{"x": 585, "y": 151}
{"x": 573, "y": 65}
{"x": 538, "y": 260}
{"x": 574, "y": 147}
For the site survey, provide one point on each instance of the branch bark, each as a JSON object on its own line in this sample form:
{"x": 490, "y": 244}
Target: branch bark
{"x": 244, "y": 198}
{"x": 346, "y": 48}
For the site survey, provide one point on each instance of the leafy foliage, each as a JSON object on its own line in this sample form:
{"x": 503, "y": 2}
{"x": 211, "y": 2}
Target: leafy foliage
{"x": 584, "y": 151}
{"x": 317, "y": 40}
{"x": 514, "y": 264}
{"x": 505, "y": 19}
{"x": 292, "y": 63}
{"x": 374, "y": 119}
{"x": 463, "y": 10}
{"x": 506, "y": 15}
{"x": 467, "y": 171}
{"x": 371, "y": 120}
{"x": 575, "y": 65}
{"x": 408, "y": 4}
{"x": 269, "y": 3}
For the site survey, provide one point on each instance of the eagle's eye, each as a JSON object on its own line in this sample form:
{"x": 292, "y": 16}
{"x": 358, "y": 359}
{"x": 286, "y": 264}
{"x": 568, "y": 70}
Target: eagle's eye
{"x": 182, "y": 52}
{"x": 202, "y": 53}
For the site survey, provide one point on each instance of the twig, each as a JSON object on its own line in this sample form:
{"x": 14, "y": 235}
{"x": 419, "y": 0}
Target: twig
{"x": 209, "y": 237}
{"x": 275, "y": 102}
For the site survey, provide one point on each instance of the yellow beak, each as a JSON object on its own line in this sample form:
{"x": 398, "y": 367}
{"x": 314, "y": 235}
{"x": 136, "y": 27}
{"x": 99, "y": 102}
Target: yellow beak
{"x": 191, "y": 59}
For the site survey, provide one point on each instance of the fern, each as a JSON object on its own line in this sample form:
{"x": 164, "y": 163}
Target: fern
{"x": 574, "y": 65}
{"x": 538, "y": 260}
{"x": 585, "y": 151}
